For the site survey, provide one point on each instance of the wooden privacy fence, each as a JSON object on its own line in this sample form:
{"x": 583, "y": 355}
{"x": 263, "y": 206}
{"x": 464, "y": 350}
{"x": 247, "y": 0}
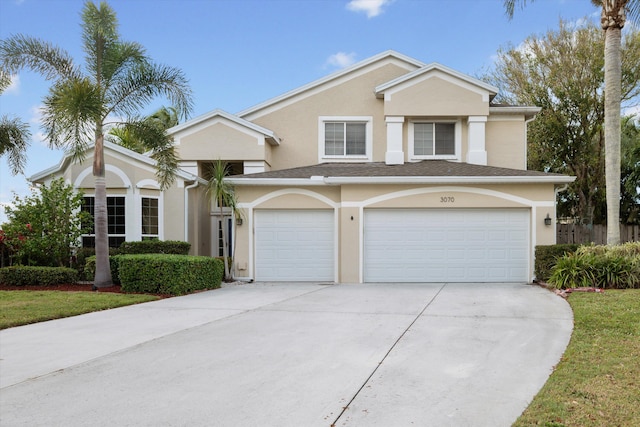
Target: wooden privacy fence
{"x": 580, "y": 233}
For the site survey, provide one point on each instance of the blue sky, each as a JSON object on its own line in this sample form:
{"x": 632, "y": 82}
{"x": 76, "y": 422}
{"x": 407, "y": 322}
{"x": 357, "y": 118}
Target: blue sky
{"x": 238, "y": 53}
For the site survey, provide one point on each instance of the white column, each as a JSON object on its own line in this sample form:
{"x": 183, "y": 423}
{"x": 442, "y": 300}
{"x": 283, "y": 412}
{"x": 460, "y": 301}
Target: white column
{"x": 394, "y": 154}
{"x": 477, "y": 153}
{"x": 254, "y": 166}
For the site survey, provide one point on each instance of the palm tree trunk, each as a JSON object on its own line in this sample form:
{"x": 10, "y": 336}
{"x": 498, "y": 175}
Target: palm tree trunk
{"x": 102, "y": 277}
{"x": 613, "y": 76}
{"x": 225, "y": 251}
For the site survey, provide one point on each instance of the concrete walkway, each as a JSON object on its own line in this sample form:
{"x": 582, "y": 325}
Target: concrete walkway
{"x": 291, "y": 355}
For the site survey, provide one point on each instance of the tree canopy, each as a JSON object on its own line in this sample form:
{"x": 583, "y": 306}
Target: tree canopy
{"x": 563, "y": 72}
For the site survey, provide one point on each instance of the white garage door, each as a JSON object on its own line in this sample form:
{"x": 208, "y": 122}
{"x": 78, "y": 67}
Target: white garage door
{"x": 294, "y": 245}
{"x": 446, "y": 245}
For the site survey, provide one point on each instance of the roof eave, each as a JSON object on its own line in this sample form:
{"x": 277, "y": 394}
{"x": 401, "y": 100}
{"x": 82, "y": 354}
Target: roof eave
{"x": 528, "y": 111}
{"x": 554, "y": 179}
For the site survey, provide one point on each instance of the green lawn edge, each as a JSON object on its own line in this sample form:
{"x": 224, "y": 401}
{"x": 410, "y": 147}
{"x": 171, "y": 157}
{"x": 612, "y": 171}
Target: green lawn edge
{"x": 596, "y": 382}
{"x": 24, "y": 307}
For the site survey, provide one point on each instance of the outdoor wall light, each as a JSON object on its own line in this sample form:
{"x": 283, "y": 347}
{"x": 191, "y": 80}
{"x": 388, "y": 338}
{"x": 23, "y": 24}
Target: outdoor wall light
{"x": 238, "y": 221}
{"x": 547, "y": 220}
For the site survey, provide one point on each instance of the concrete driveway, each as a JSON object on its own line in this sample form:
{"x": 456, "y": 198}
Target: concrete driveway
{"x": 291, "y": 355}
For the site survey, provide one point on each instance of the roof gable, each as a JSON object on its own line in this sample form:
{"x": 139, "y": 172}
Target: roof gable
{"x": 130, "y": 156}
{"x": 437, "y": 70}
{"x": 216, "y": 116}
{"x": 355, "y": 70}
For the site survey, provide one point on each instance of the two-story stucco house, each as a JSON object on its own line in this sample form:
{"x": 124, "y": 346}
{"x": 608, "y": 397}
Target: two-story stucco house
{"x": 390, "y": 170}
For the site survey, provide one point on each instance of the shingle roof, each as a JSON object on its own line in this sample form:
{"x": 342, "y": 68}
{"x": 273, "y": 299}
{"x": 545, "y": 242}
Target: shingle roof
{"x": 425, "y": 168}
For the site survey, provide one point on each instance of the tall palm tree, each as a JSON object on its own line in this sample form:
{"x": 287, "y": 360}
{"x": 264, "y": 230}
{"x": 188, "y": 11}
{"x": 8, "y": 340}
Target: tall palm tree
{"x": 116, "y": 81}
{"x": 220, "y": 191}
{"x": 613, "y": 17}
{"x": 14, "y": 140}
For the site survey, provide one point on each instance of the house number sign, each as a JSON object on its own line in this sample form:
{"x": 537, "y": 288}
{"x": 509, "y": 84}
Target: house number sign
{"x": 447, "y": 199}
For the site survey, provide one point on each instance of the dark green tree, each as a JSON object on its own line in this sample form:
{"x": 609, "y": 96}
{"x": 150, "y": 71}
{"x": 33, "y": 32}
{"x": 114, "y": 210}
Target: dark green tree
{"x": 630, "y": 172}
{"x": 43, "y": 228}
{"x": 614, "y": 14}
{"x": 563, "y": 72}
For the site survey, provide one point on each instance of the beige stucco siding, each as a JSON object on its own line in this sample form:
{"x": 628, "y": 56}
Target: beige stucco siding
{"x": 133, "y": 180}
{"x": 435, "y": 96}
{"x": 297, "y": 124}
{"x": 506, "y": 142}
{"x": 222, "y": 141}
{"x": 350, "y": 202}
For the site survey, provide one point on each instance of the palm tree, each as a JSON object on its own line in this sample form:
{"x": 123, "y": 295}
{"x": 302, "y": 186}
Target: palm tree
{"x": 117, "y": 80}
{"x": 148, "y": 135}
{"x": 220, "y": 191}
{"x": 613, "y": 17}
{"x": 14, "y": 140}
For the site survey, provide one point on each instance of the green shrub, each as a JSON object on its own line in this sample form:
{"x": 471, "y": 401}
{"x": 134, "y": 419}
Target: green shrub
{"x": 572, "y": 271}
{"x": 90, "y": 268}
{"x": 37, "y": 276}
{"x": 600, "y": 266}
{"x": 169, "y": 274}
{"x": 546, "y": 257}
{"x": 156, "y": 247}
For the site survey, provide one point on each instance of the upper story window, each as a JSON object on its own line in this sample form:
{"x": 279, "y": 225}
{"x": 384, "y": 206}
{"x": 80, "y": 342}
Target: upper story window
{"x": 345, "y": 139}
{"x": 434, "y": 140}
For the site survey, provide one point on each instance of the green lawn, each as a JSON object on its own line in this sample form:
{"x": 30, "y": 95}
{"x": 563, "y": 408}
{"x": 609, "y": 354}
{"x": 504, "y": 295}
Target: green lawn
{"x": 24, "y": 307}
{"x": 597, "y": 382}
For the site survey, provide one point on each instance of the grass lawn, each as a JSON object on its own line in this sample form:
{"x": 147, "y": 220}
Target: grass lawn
{"x": 24, "y": 307}
{"x": 597, "y": 382}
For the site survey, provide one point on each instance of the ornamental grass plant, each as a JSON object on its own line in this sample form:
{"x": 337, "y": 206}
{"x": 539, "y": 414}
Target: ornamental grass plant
{"x": 599, "y": 266}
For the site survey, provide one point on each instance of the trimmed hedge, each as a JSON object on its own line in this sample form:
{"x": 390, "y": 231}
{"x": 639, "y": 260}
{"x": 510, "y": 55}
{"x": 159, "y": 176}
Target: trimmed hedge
{"x": 90, "y": 268}
{"x": 37, "y": 276}
{"x": 546, "y": 257}
{"x": 174, "y": 247}
{"x": 169, "y": 274}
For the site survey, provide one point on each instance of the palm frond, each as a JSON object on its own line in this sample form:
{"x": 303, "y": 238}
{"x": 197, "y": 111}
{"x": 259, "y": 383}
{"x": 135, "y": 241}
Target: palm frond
{"x": 119, "y": 57}
{"x": 14, "y": 140}
{"x": 146, "y": 135}
{"x": 142, "y": 84}
{"x": 510, "y": 6}
{"x": 20, "y": 51}
{"x": 5, "y": 80}
{"x": 72, "y": 110}
{"x": 99, "y": 31}
{"x": 218, "y": 188}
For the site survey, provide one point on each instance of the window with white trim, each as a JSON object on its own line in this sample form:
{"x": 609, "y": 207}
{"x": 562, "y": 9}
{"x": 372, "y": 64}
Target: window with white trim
{"x": 345, "y": 139}
{"x": 150, "y": 218}
{"x": 434, "y": 140}
{"x": 116, "y": 221}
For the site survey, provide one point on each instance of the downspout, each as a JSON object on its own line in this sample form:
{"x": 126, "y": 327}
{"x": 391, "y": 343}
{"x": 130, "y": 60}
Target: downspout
{"x": 186, "y": 208}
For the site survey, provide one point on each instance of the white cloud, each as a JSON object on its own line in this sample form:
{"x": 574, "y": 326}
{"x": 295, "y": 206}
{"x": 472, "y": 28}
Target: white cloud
{"x": 41, "y": 139}
{"x": 371, "y": 7}
{"x": 14, "y": 86}
{"x": 36, "y": 114}
{"x": 341, "y": 59}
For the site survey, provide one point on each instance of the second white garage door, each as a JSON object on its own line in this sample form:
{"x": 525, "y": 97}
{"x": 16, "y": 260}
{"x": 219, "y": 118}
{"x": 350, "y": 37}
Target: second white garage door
{"x": 295, "y": 245}
{"x": 446, "y": 245}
